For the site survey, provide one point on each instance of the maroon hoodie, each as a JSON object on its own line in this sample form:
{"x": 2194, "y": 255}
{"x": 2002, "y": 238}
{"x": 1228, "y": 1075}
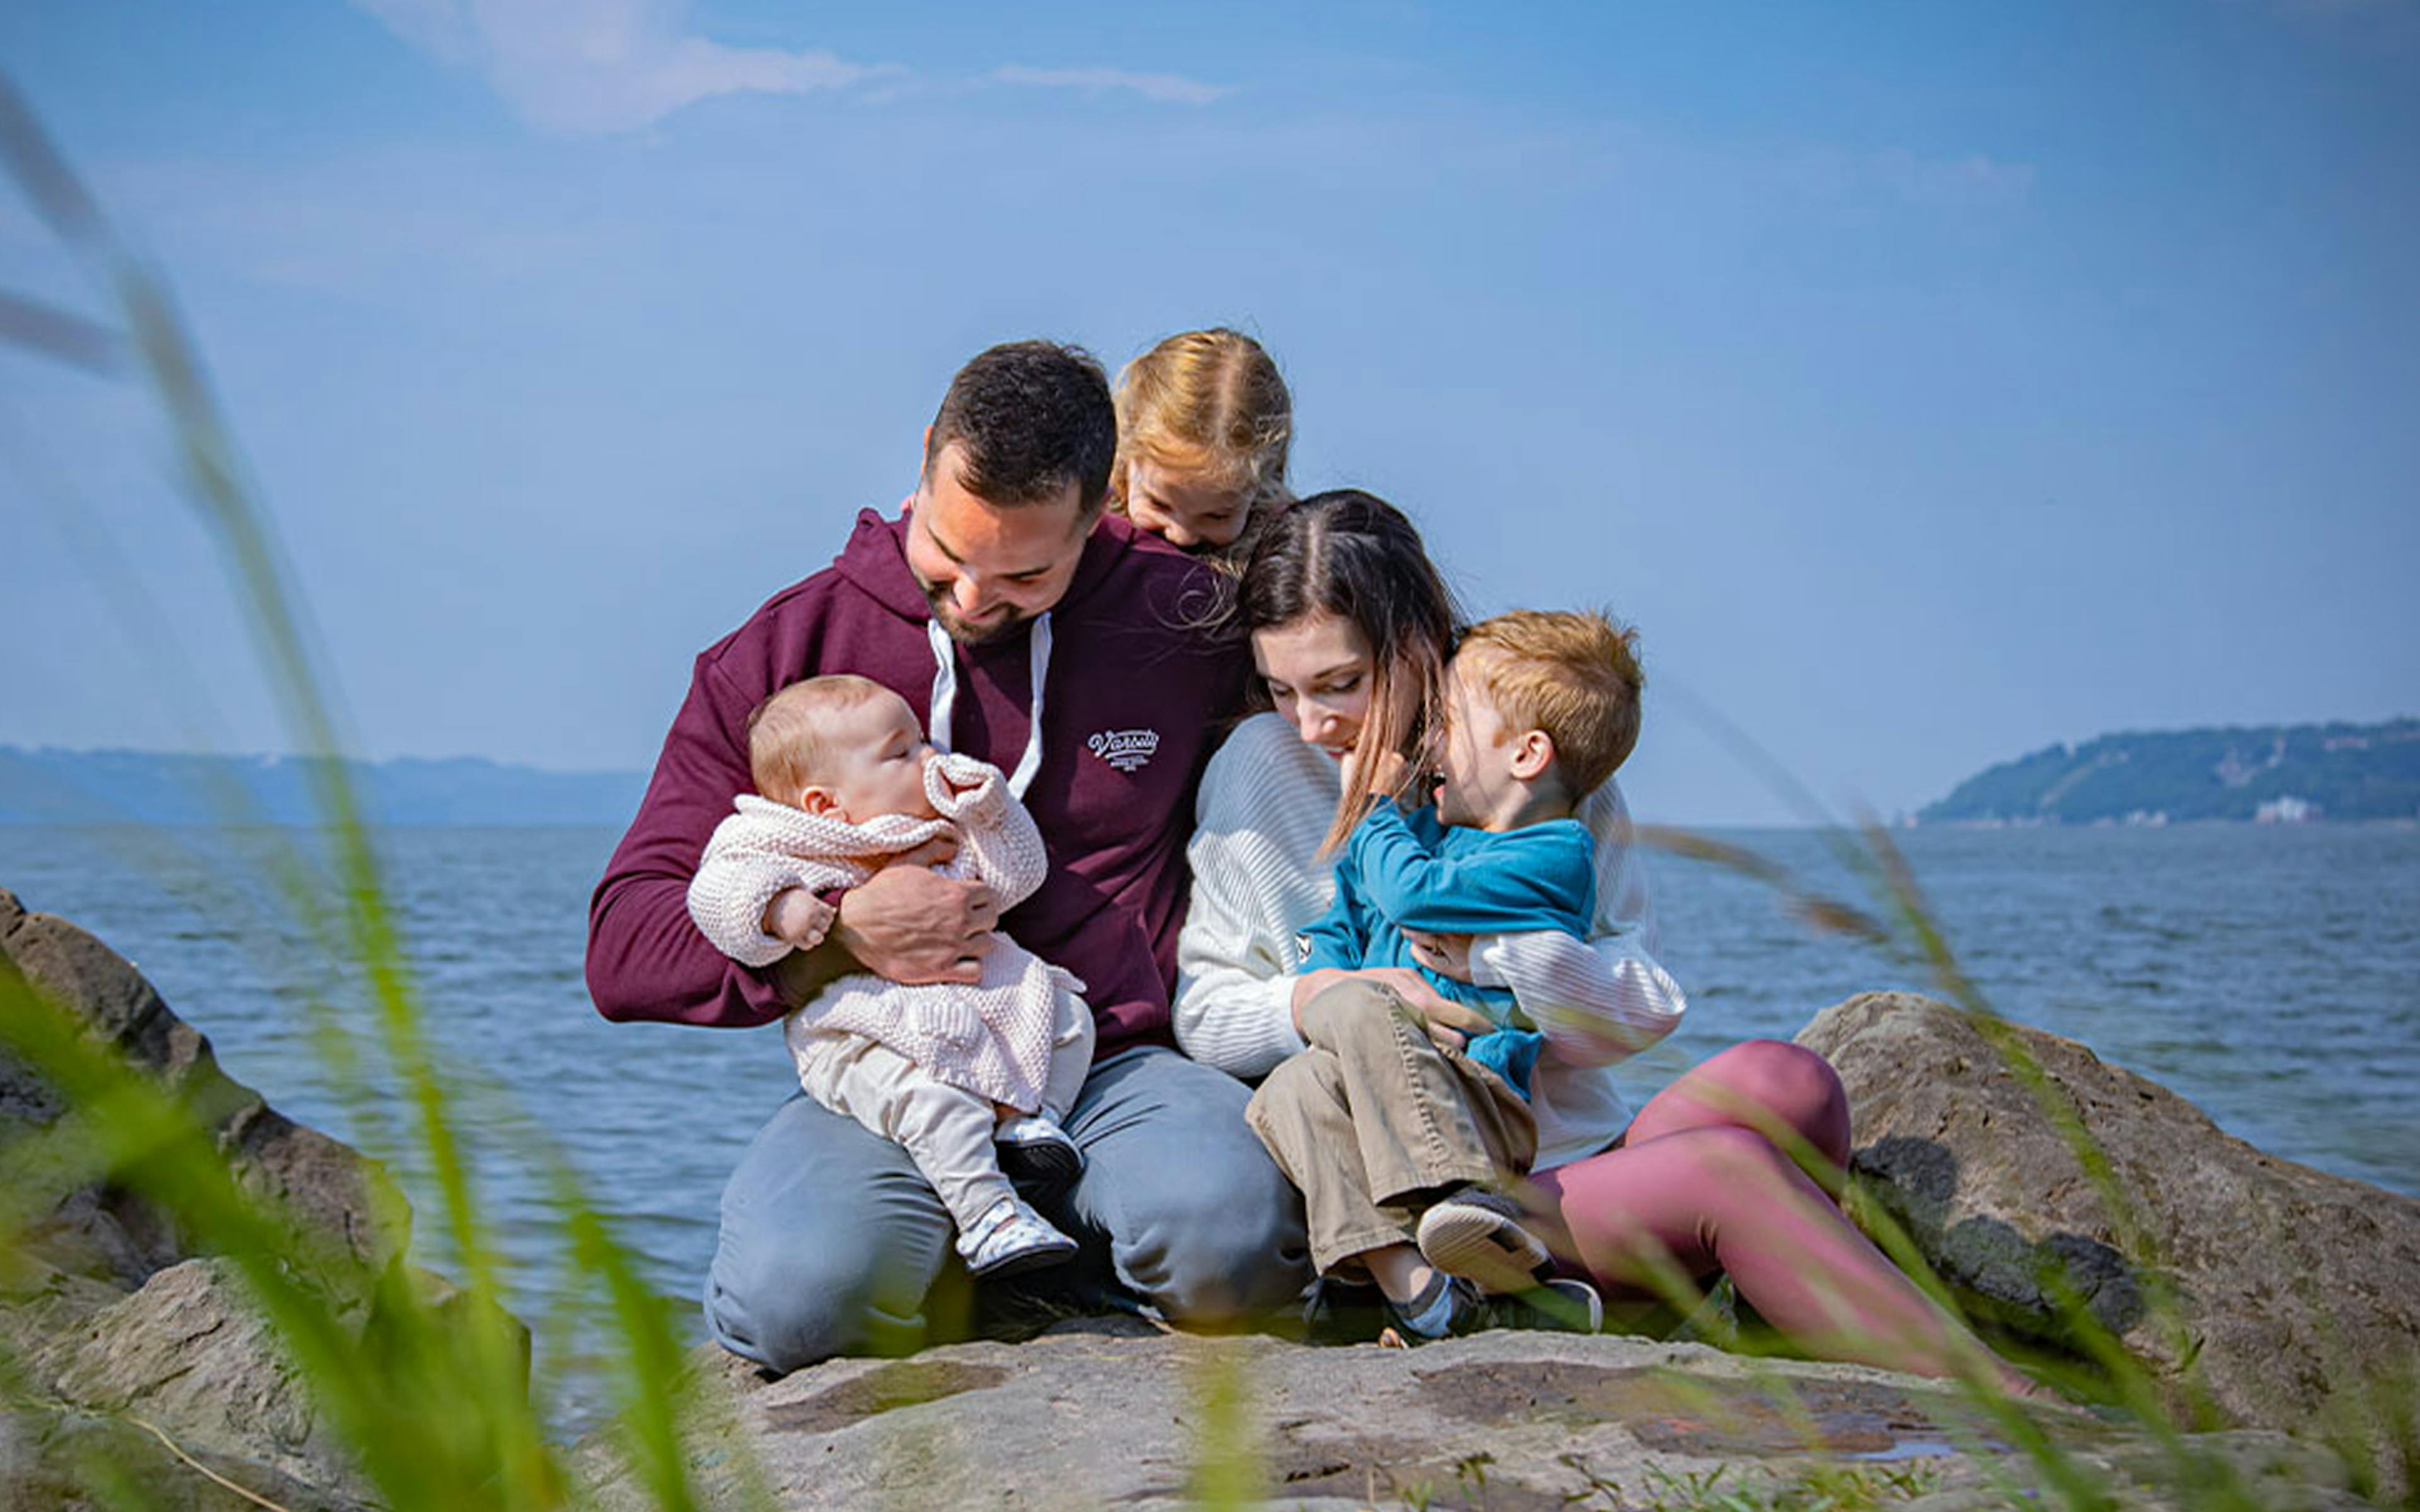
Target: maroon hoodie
{"x": 1135, "y": 696}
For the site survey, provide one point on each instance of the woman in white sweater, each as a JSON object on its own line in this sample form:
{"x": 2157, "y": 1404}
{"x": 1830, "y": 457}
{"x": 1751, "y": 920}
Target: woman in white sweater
{"x": 1351, "y": 626}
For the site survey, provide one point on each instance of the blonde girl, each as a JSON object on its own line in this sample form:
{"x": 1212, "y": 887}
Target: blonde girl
{"x": 1203, "y": 425}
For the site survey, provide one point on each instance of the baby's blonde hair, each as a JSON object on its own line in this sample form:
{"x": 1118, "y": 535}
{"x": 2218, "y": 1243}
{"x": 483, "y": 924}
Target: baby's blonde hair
{"x": 785, "y": 749}
{"x": 1210, "y": 404}
{"x": 1573, "y": 676}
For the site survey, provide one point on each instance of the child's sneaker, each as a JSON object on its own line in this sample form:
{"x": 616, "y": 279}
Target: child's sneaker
{"x": 1557, "y": 1305}
{"x": 1037, "y": 1156}
{"x": 1010, "y": 1237}
{"x": 1477, "y": 1233}
{"x": 1448, "y": 1305}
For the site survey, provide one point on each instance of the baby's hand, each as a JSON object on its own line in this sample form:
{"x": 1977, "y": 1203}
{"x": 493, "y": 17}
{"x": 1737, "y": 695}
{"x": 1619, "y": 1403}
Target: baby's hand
{"x": 934, "y": 764}
{"x": 798, "y": 918}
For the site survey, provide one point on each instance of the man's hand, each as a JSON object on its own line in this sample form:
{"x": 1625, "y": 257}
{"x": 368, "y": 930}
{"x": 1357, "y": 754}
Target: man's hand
{"x": 912, "y": 925}
{"x": 1447, "y": 955}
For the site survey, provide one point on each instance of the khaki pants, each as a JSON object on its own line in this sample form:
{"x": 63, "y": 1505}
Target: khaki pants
{"x": 1375, "y": 1121}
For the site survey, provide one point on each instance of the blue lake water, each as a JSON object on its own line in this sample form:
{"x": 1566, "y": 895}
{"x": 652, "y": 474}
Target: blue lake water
{"x": 2270, "y": 974}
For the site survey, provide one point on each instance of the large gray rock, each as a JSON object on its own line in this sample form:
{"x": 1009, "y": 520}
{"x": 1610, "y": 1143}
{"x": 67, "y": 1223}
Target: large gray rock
{"x": 327, "y": 1186}
{"x": 59, "y": 1459}
{"x": 188, "y": 1349}
{"x": 1099, "y": 1414}
{"x": 2295, "y": 1294}
{"x": 118, "y": 1340}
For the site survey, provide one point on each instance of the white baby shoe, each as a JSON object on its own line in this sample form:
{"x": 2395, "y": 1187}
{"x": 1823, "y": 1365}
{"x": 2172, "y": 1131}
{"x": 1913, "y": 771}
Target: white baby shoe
{"x": 1038, "y": 1155}
{"x": 1010, "y": 1237}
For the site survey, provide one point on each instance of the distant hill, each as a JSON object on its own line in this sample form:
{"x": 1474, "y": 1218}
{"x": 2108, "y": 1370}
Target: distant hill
{"x": 49, "y": 786}
{"x": 2275, "y": 774}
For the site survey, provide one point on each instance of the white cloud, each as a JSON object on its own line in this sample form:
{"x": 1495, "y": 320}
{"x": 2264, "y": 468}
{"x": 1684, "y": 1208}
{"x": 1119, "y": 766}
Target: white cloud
{"x": 586, "y": 67}
{"x": 1165, "y": 89}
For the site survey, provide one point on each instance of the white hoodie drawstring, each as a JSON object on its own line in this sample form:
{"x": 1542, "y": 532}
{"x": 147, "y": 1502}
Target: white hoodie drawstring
{"x": 945, "y": 693}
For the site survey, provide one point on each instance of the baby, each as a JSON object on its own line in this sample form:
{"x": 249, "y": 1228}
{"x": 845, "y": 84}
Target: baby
{"x": 1541, "y": 708}
{"x": 966, "y": 1078}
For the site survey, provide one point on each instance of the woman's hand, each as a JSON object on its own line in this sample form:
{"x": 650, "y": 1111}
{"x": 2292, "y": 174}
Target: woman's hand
{"x": 1387, "y": 770}
{"x": 1309, "y": 984}
{"x": 1447, "y": 955}
{"x": 1450, "y": 1023}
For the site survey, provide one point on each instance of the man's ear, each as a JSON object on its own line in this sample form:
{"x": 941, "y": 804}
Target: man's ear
{"x": 1534, "y": 755}
{"x": 923, "y": 471}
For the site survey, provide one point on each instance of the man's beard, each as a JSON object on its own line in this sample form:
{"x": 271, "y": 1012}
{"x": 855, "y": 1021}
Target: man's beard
{"x": 960, "y": 631}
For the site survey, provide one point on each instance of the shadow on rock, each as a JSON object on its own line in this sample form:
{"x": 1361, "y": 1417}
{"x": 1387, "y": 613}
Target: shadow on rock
{"x": 2029, "y": 1287}
{"x": 2255, "y": 1291}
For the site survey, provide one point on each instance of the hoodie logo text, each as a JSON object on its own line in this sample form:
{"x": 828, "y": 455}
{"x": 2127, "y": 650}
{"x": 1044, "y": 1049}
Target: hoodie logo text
{"x": 1126, "y": 749}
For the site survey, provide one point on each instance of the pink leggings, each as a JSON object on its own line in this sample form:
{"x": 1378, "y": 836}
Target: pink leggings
{"x": 1694, "y": 1188}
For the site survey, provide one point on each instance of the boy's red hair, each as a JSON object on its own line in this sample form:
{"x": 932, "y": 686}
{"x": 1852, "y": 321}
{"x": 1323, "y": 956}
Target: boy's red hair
{"x": 1573, "y": 676}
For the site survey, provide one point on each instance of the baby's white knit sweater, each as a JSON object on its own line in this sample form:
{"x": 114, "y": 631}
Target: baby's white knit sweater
{"x": 1258, "y": 881}
{"x": 993, "y": 1036}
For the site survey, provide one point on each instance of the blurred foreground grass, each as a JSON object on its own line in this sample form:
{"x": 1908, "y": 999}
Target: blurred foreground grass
{"x": 437, "y": 1411}
{"x": 434, "y": 1409}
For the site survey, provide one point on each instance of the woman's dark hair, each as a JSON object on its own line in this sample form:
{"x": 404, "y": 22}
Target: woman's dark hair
{"x": 1353, "y": 555}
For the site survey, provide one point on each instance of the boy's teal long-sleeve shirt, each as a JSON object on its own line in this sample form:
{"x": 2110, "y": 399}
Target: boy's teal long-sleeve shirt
{"x": 1403, "y": 871}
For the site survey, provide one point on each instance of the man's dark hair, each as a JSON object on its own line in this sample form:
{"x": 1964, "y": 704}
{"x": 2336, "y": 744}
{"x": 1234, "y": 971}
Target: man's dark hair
{"x": 1029, "y": 417}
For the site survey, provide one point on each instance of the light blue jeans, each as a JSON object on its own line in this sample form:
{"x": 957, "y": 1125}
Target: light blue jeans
{"x": 831, "y": 1239}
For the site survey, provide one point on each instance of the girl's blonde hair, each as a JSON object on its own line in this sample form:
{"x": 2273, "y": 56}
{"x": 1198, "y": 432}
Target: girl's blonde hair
{"x": 1210, "y": 404}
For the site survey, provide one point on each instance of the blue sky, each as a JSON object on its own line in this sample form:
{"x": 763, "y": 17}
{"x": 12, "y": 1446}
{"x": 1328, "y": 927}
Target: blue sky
{"x": 1929, "y": 383}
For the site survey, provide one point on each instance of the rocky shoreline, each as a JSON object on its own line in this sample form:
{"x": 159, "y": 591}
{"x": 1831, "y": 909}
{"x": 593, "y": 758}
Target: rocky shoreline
{"x": 2257, "y": 1293}
{"x": 121, "y": 1343}
{"x": 1103, "y": 1412}
{"x": 2262, "y": 1300}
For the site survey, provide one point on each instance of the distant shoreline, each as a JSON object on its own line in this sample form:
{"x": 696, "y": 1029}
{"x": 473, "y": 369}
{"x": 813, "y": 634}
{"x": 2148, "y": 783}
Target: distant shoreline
{"x": 2286, "y": 775}
{"x": 2289, "y": 776}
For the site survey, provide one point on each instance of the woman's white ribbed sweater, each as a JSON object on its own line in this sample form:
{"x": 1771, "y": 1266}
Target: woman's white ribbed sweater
{"x": 1258, "y": 881}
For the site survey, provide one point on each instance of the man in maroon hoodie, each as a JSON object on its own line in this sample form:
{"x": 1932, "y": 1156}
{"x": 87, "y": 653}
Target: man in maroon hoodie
{"x": 1028, "y": 629}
